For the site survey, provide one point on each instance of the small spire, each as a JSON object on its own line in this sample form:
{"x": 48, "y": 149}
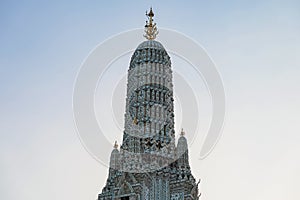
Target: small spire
{"x": 150, "y": 27}
{"x": 116, "y": 145}
{"x": 182, "y": 132}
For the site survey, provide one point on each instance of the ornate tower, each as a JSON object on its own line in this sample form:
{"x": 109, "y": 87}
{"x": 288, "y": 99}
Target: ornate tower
{"x": 149, "y": 166}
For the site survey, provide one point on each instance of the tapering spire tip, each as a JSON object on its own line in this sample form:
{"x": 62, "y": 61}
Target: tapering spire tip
{"x": 116, "y": 145}
{"x": 150, "y": 27}
{"x": 182, "y": 132}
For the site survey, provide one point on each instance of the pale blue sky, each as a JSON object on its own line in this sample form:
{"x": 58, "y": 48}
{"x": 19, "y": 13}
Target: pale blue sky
{"x": 255, "y": 44}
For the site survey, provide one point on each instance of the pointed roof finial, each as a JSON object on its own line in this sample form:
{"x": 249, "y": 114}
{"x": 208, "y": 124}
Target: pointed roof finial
{"x": 151, "y": 14}
{"x": 150, "y": 27}
{"x": 116, "y": 145}
{"x": 182, "y": 132}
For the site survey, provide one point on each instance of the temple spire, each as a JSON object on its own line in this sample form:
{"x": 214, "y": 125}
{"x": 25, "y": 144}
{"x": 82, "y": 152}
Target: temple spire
{"x": 150, "y": 27}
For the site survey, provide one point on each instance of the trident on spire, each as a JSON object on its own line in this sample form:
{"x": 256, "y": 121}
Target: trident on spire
{"x": 150, "y": 27}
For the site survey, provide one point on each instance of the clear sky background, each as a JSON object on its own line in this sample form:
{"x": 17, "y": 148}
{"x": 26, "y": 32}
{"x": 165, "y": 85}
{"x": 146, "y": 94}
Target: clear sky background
{"x": 255, "y": 44}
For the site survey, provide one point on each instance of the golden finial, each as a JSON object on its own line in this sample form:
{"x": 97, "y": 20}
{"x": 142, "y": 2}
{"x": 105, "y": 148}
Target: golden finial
{"x": 182, "y": 132}
{"x": 116, "y": 145}
{"x": 150, "y": 27}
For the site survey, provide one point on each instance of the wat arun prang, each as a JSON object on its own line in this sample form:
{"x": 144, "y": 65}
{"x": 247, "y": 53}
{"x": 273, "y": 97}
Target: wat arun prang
{"x": 149, "y": 166}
